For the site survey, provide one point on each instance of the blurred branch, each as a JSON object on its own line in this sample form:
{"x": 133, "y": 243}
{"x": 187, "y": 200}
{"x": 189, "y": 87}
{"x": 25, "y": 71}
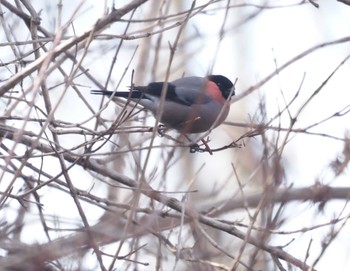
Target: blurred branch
{"x": 101, "y": 24}
{"x": 320, "y": 193}
{"x": 346, "y": 2}
{"x": 315, "y": 193}
{"x": 149, "y": 195}
{"x": 287, "y": 64}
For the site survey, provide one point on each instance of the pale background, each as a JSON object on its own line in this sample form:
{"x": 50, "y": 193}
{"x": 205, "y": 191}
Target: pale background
{"x": 257, "y": 38}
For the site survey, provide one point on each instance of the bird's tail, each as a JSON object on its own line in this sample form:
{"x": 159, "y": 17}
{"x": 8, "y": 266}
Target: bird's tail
{"x": 123, "y": 94}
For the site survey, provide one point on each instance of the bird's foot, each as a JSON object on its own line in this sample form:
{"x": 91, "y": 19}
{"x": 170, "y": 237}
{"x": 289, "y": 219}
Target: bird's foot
{"x": 198, "y": 148}
{"x": 195, "y": 148}
{"x": 161, "y": 130}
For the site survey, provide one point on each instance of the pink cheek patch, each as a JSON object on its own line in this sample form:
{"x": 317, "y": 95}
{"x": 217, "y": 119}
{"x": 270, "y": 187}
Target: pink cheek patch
{"x": 214, "y": 92}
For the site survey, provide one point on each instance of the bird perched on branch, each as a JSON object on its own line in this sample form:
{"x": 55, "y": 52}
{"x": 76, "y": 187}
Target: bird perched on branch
{"x": 191, "y": 104}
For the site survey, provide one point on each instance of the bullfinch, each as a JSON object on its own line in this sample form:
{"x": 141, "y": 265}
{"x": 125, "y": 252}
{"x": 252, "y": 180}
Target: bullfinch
{"x": 192, "y": 104}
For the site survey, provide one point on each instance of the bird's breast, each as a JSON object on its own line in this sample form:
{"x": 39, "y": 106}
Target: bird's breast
{"x": 193, "y": 119}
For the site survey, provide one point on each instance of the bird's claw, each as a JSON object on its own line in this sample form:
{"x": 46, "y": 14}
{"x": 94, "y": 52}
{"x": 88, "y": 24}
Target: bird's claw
{"x": 195, "y": 148}
{"x": 161, "y": 130}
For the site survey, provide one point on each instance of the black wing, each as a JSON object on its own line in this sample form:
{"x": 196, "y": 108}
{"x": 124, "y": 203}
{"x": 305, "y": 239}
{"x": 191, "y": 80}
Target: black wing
{"x": 186, "y": 91}
{"x": 155, "y": 89}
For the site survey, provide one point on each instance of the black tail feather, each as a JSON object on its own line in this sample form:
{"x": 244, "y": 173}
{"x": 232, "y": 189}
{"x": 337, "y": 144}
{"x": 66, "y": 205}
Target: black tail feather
{"x": 101, "y": 92}
{"x": 123, "y": 94}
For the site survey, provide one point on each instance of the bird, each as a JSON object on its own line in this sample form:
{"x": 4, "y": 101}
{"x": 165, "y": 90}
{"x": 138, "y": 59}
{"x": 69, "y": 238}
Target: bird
{"x": 192, "y": 104}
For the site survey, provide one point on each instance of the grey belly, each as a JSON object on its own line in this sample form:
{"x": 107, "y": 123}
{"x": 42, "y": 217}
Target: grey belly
{"x": 193, "y": 119}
